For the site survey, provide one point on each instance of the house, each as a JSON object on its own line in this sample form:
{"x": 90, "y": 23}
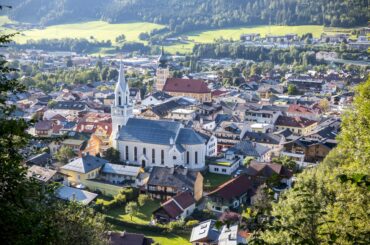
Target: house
{"x": 223, "y": 166}
{"x": 66, "y": 108}
{"x": 178, "y": 207}
{"x": 42, "y": 159}
{"x": 41, "y": 174}
{"x": 297, "y": 125}
{"x": 263, "y": 171}
{"x": 119, "y": 174}
{"x": 205, "y": 233}
{"x": 44, "y": 128}
{"x": 295, "y": 110}
{"x": 306, "y": 84}
{"x": 231, "y": 235}
{"x": 196, "y": 89}
{"x": 165, "y": 183}
{"x": 231, "y": 194}
{"x": 82, "y": 168}
{"x": 250, "y": 149}
{"x": 128, "y": 238}
{"x": 77, "y": 145}
{"x": 135, "y": 95}
{"x": 74, "y": 194}
{"x": 304, "y": 150}
{"x": 156, "y": 98}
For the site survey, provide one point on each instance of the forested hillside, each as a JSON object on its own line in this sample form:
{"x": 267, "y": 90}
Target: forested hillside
{"x": 189, "y": 15}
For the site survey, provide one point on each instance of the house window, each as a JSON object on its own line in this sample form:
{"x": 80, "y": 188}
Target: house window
{"x": 162, "y": 156}
{"x": 187, "y": 157}
{"x": 126, "y": 152}
{"x": 174, "y": 157}
{"x": 144, "y": 151}
{"x": 196, "y": 157}
{"x": 153, "y": 155}
{"x": 224, "y": 170}
{"x": 119, "y": 100}
{"x": 135, "y": 153}
{"x": 216, "y": 169}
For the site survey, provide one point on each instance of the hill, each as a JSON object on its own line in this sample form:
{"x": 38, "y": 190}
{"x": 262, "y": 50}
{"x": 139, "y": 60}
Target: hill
{"x": 190, "y": 15}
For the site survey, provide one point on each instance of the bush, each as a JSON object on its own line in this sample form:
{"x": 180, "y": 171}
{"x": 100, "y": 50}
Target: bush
{"x": 130, "y": 193}
{"x": 191, "y": 223}
{"x": 175, "y": 225}
{"x": 142, "y": 199}
{"x": 202, "y": 215}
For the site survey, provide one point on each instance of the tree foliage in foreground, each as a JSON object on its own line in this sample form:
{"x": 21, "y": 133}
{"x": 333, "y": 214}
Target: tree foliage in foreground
{"x": 329, "y": 204}
{"x": 30, "y": 214}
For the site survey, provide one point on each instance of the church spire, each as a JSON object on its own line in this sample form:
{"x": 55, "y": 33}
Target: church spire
{"x": 121, "y": 91}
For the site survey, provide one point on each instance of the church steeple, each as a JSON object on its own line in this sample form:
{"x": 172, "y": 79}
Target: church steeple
{"x": 122, "y": 108}
{"x": 162, "y": 60}
{"x": 122, "y": 91}
{"x": 163, "y": 71}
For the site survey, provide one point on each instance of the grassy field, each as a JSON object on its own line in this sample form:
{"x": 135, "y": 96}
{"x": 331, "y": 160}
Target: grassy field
{"x": 100, "y": 30}
{"x": 167, "y": 239}
{"x": 211, "y": 180}
{"x": 143, "y": 215}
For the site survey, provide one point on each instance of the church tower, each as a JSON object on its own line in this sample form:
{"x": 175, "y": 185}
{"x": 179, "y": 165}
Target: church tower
{"x": 122, "y": 107}
{"x": 163, "y": 71}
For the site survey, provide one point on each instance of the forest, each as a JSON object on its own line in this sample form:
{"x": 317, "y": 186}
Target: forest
{"x": 190, "y": 15}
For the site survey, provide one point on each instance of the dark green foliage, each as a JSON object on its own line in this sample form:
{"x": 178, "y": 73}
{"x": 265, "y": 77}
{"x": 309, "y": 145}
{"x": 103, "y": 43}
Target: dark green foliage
{"x": 190, "y": 15}
{"x": 112, "y": 155}
{"x": 29, "y": 213}
{"x": 80, "y": 45}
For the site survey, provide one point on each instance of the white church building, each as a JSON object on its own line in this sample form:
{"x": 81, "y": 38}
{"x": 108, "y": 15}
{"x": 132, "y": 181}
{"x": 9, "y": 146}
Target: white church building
{"x": 150, "y": 143}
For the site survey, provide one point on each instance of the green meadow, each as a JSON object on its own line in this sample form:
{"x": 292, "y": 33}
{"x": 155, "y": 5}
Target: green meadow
{"x": 100, "y": 30}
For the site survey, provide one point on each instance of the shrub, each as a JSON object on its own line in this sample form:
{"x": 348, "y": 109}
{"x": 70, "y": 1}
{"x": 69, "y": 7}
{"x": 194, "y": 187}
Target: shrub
{"x": 142, "y": 199}
{"x": 191, "y": 223}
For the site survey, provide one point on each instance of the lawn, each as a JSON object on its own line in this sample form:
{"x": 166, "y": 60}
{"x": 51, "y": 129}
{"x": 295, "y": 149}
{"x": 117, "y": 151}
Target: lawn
{"x": 162, "y": 239}
{"x": 143, "y": 215}
{"x": 100, "y": 30}
{"x": 211, "y": 180}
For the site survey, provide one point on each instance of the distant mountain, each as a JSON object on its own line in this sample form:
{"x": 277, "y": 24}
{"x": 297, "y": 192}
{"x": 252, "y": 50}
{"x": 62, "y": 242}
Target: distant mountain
{"x": 186, "y": 15}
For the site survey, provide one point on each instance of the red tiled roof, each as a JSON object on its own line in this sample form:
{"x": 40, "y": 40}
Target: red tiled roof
{"x": 44, "y": 125}
{"x": 58, "y": 117}
{"x": 185, "y": 86}
{"x": 172, "y": 209}
{"x": 184, "y": 199}
{"x": 268, "y": 169}
{"x": 56, "y": 128}
{"x": 233, "y": 188}
{"x": 300, "y": 109}
{"x": 297, "y": 122}
{"x": 218, "y": 92}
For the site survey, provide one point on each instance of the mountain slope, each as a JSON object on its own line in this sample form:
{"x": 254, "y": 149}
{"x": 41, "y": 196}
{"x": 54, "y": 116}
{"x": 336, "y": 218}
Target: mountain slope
{"x": 188, "y": 15}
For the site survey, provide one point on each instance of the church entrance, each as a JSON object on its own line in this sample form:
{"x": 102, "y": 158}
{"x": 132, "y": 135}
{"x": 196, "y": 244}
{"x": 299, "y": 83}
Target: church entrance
{"x": 143, "y": 163}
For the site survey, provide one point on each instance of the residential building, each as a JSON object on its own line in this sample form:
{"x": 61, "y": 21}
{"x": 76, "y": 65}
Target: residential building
{"x": 297, "y": 125}
{"x": 231, "y": 194}
{"x": 165, "y": 183}
{"x": 196, "y": 89}
{"x": 178, "y": 207}
{"x": 82, "y": 168}
{"x": 128, "y": 238}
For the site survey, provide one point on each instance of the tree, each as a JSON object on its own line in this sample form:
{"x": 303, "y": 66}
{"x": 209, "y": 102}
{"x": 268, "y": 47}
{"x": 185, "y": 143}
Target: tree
{"x": 112, "y": 155}
{"x": 29, "y": 213}
{"x": 69, "y": 62}
{"x": 112, "y": 75}
{"x": 292, "y": 89}
{"x": 286, "y": 161}
{"x": 329, "y": 203}
{"x": 64, "y": 154}
{"x": 121, "y": 38}
{"x": 131, "y": 209}
{"x": 324, "y": 105}
{"x": 143, "y": 199}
